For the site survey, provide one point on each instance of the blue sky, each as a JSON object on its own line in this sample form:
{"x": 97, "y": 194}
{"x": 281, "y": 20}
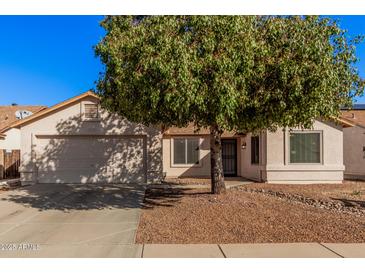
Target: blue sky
{"x": 47, "y": 59}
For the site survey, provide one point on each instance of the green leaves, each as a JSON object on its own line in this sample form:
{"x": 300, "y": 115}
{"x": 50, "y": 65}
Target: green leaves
{"x": 242, "y": 73}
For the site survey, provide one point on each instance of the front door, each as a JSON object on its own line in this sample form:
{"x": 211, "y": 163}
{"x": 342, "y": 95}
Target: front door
{"x": 229, "y": 157}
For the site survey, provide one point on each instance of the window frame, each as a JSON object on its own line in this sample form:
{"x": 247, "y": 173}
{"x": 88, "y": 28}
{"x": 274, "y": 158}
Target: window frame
{"x": 83, "y": 112}
{"x": 259, "y": 149}
{"x": 320, "y": 132}
{"x": 172, "y": 144}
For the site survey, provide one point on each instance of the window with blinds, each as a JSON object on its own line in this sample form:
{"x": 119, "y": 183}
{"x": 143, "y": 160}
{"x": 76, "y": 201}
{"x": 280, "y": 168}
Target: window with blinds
{"x": 186, "y": 151}
{"x": 305, "y": 147}
{"x": 91, "y": 111}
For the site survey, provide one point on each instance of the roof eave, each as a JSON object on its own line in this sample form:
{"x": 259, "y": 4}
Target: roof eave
{"x": 45, "y": 111}
{"x": 344, "y": 122}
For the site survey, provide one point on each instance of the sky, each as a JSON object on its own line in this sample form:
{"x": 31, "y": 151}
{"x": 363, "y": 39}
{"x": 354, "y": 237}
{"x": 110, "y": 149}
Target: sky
{"x": 47, "y": 59}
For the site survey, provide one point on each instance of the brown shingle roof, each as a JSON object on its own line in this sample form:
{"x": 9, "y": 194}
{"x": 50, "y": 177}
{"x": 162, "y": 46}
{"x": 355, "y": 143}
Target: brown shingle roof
{"x": 7, "y": 114}
{"x": 356, "y": 117}
{"x": 191, "y": 130}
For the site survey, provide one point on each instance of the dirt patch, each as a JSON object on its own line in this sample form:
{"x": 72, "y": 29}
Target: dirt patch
{"x": 195, "y": 216}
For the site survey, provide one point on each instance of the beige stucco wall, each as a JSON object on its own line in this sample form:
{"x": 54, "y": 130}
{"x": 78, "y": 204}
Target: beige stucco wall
{"x": 11, "y": 140}
{"x": 274, "y": 166}
{"x": 201, "y": 170}
{"x": 278, "y": 169}
{"x": 68, "y": 122}
{"x": 354, "y": 156}
{"x": 253, "y": 171}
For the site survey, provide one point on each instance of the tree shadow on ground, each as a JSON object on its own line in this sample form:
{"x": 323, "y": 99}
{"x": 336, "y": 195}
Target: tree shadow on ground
{"x": 351, "y": 203}
{"x": 78, "y": 196}
{"x": 168, "y": 197}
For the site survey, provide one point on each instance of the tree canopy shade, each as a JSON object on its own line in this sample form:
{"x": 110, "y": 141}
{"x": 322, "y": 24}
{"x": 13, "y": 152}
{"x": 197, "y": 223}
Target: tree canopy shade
{"x": 237, "y": 73}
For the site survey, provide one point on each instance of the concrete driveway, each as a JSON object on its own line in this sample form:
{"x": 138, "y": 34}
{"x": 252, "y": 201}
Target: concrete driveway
{"x": 70, "y": 220}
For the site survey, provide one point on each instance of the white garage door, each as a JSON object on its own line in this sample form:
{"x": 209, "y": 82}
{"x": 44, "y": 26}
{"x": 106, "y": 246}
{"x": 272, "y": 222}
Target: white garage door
{"x": 92, "y": 159}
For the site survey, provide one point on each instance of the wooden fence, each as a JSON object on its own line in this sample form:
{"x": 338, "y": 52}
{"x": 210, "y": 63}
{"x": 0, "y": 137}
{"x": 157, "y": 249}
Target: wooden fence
{"x": 9, "y": 164}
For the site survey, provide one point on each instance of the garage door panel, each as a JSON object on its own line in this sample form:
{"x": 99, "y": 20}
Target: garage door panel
{"x": 90, "y": 160}
{"x": 73, "y": 163}
{"x": 65, "y": 176}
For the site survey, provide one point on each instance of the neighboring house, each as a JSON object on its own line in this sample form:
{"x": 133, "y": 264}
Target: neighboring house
{"x": 78, "y": 142}
{"x": 10, "y": 137}
{"x": 354, "y": 143}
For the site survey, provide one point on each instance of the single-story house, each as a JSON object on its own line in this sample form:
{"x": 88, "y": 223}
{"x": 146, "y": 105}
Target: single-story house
{"x": 10, "y": 137}
{"x": 76, "y": 141}
{"x": 354, "y": 143}
{"x": 284, "y": 156}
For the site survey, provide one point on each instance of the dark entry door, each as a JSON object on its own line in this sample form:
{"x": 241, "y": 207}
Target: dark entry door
{"x": 229, "y": 157}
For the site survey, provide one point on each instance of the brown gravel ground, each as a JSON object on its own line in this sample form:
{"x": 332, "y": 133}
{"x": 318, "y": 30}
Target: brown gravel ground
{"x": 199, "y": 181}
{"x": 195, "y": 216}
{"x": 188, "y": 181}
{"x": 3, "y": 188}
{"x": 349, "y": 190}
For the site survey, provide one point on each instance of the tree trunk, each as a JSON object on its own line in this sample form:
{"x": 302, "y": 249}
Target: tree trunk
{"x": 216, "y": 165}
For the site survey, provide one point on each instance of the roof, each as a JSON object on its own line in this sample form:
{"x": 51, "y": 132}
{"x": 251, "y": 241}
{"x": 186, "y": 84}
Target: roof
{"x": 344, "y": 122}
{"x": 189, "y": 130}
{"x": 192, "y": 130}
{"x": 53, "y": 108}
{"x": 355, "y": 116}
{"x": 7, "y": 114}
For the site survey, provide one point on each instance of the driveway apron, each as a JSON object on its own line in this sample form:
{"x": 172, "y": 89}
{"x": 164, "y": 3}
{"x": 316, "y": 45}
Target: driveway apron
{"x": 70, "y": 220}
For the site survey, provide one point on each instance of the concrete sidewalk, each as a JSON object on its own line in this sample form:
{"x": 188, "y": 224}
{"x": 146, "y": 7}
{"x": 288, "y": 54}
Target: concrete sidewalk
{"x": 286, "y": 250}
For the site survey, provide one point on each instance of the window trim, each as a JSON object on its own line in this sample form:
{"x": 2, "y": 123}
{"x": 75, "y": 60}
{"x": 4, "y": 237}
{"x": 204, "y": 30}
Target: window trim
{"x": 259, "y": 152}
{"x": 83, "y": 108}
{"x": 172, "y": 151}
{"x": 304, "y": 132}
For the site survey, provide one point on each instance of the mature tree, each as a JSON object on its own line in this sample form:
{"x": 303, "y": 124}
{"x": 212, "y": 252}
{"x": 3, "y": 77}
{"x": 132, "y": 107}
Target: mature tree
{"x": 236, "y": 73}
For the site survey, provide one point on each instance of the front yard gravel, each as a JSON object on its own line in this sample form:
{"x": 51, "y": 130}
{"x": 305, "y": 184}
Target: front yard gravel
{"x": 196, "y": 216}
{"x": 339, "y": 205}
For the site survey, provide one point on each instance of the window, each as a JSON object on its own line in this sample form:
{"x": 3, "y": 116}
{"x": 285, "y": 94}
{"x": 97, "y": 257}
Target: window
{"x": 305, "y": 147}
{"x": 186, "y": 151}
{"x": 91, "y": 111}
{"x": 255, "y": 150}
